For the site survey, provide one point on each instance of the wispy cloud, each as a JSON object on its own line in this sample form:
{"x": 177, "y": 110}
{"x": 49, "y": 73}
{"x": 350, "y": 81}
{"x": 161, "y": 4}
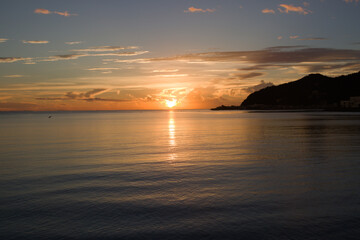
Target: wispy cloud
{"x": 258, "y": 87}
{"x": 35, "y": 41}
{"x": 268, "y": 11}
{"x": 42, "y": 11}
{"x": 3, "y": 40}
{"x": 165, "y": 70}
{"x": 105, "y": 48}
{"x": 62, "y": 57}
{"x": 101, "y": 51}
{"x": 278, "y": 58}
{"x": 247, "y": 75}
{"x": 89, "y": 96}
{"x": 86, "y": 54}
{"x": 199, "y": 10}
{"x": 281, "y": 54}
{"x": 65, "y": 14}
{"x": 101, "y": 69}
{"x": 350, "y": 1}
{"x": 313, "y": 39}
{"x": 287, "y": 8}
{"x": 13, "y": 59}
{"x": 14, "y": 76}
{"x": 321, "y": 67}
{"x": 47, "y": 12}
{"x": 172, "y": 75}
{"x": 73, "y": 43}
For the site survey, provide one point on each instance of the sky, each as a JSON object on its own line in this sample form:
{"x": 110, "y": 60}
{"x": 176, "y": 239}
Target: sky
{"x": 189, "y": 54}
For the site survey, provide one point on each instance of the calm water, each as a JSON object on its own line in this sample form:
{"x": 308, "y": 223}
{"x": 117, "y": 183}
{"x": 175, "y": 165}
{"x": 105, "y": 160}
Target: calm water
{"x": 179, "y": 175}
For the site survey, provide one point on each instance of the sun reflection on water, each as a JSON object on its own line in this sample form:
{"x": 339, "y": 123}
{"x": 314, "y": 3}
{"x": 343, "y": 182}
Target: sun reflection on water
{"x": 172, "y": 137}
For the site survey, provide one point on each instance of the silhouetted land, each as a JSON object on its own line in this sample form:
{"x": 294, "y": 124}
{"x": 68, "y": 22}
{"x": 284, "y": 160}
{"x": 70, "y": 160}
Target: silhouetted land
{"x": 314, "y": 91}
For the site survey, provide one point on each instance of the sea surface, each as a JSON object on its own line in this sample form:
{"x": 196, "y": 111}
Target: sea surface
{"x": 180, "y": 175}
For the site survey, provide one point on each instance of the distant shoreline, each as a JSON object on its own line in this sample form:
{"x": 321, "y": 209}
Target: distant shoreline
{"x": 284, "y": 109}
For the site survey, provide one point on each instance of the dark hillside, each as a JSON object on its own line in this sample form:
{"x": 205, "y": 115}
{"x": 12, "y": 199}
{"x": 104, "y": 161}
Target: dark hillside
{"x": 312, "y": 91}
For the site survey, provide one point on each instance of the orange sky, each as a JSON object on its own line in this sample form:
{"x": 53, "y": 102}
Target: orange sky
{"x": 113, "y": 55}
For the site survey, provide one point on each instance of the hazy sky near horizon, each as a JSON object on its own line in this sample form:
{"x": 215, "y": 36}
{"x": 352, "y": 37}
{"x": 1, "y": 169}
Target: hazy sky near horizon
{"x": 135, "y": 54}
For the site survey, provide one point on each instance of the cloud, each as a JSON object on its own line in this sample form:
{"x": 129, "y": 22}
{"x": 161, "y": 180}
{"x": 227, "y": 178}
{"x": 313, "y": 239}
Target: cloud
{"x": 197, "y": 10}
{"x": 350, "y": 1}
{"x": 13, "y": 59}
{"x": 165, "y": 70}
{"x": 247, "y": 75}
{"x": 35, "y": 42}
{"x": 105, "y": 49}
{"x": 198, "y": 98}
{"x": 89, "y": 96}
{"x": 272, "y": 55}
{"x": 268, "y": 11}
{"x": 290, "y": 8}
{"x": 313, "y": 39}
{"x": 85, "y": 54}
{"x": 47, "y": 12}
{"x": 280, "y": 58}
{"x": 3, "y": 40}
{"x": 75, "y": 54}
{"x": 65, "y": 14}
{"x": 172, "y": 75}
{"x": 315, "y": 68}
{"x": 63, "y": 57}
{"x": 42, "y": 11}
{"x": 73, "y": 43}
{"x": 258, "y": 87}
{"x": 294, "y": 37}
{"x": 101, "y": 69}
{"x": 14, "y": 76}
{"x": 139, "y": 60}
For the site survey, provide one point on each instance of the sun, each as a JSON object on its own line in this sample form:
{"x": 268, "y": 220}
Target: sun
{"x": 171, "y": 103}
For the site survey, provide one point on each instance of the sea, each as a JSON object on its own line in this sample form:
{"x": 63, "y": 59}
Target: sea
{"x": 179, "y": 174}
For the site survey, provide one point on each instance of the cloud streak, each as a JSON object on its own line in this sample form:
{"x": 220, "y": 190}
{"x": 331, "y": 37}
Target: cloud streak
{"x": 47, "y": 12}
{"x": 36, "y": 41}
{"x": 268, "y": 11}
{"x": 14, "y": 76}
{"x": 13, "y": 59}
{"x": 105, "y": 49}
{"x": 313, "y": 39}
{"x": 281, "y": 54}
{"x": 199, "y": 10}
{"x": 2, "y": 40}
{"x": 247, "y": 75}
{"x": 287, "y": 8}
{"x": 79, "y": 55}
{"x": 89, "y": 96}
{"x": 76, "y": 53}
{"x": 73, "y": 43}
{"x": 258, "y": 87}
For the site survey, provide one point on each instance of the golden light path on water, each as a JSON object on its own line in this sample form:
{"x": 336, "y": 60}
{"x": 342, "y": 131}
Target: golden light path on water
{"x": 172, "y": 137}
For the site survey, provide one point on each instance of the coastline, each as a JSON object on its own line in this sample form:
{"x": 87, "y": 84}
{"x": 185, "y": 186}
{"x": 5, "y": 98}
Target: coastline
{"x": 284, "y": 109}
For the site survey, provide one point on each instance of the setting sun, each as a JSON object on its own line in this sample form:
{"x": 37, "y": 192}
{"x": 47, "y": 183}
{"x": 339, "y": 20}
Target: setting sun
{"x": 171, "y": 103}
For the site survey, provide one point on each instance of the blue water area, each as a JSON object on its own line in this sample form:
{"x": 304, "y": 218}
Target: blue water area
{"x": 180, "y": 175}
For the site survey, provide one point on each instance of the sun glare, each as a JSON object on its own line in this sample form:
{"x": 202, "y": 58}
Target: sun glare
{"x": 171, "y": 103}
